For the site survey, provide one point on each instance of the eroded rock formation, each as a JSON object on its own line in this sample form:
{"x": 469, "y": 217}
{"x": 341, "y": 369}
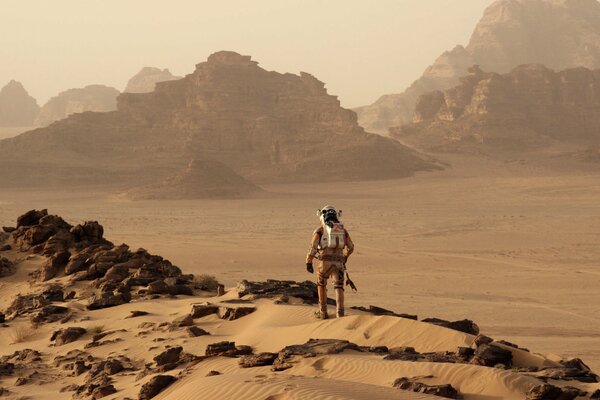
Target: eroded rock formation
{"x": 265, "y": 126}
{"x": 528, "y": 108}
{"x": 559, "y": 34}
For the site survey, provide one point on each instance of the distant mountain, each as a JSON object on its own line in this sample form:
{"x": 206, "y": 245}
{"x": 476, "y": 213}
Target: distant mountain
{"x": 17, "y": 107}
{"x": 90, "y": 98}
{"x": 201, "y": 179}
{"x": 559, "y": 34}
{"x": 145, "y": 80}
{"x": 529, "y": 109}
{"x": 265, "y": 126}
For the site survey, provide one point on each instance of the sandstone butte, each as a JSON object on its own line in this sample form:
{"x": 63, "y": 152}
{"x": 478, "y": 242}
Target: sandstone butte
{"x": 265, "y": 126}
{"x": 559, "y": 34}
{"x": 529, "y": 109}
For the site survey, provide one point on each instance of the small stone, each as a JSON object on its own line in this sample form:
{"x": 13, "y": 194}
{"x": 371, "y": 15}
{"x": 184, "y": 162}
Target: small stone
{"x": 68, "y": 335}
{"x": 169, "y": 356}
{"x": 194, "y": 331}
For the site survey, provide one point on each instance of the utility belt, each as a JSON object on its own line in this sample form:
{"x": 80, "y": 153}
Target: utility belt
{"x": 332, "y": 257}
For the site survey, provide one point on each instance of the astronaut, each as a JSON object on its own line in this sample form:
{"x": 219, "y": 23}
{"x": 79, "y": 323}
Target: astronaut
{"x": 331, "y": 246}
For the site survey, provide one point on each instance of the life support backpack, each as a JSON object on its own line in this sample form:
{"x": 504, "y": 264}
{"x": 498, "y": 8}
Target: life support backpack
{"x": 334, "y": 236}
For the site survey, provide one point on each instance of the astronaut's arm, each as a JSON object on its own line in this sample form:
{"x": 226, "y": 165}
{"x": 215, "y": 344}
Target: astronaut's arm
{"x": 349, "y": 246}
{"x": 314, "y": 248}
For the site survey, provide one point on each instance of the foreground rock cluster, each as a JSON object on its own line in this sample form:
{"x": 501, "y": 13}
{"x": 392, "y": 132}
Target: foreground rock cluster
{"x": 115, "y": 273}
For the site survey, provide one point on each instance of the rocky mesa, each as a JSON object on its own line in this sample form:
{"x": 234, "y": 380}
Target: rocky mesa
{"x": 266, "y": 126}
{"x": 530, "y": 108}
{"x": 559, "y": 34}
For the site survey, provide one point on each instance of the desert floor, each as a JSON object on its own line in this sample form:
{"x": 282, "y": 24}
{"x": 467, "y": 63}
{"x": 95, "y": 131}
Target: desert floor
{"x": 518, "y": 255}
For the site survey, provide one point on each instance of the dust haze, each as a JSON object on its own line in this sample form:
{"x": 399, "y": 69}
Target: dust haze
{"x": 161, "y": 166}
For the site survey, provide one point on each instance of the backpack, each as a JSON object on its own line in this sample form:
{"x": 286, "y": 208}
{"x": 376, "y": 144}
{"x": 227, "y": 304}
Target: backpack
{"x": 334, "y": 236}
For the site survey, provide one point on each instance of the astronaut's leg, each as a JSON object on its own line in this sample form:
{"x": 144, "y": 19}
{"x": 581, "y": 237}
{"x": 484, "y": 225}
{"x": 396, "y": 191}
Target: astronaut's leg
{"x": 338, "y": 286}
{"x": 322, "y": 291}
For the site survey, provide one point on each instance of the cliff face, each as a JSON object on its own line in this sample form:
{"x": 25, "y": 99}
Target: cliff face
{"x": 266, "y": 126}
{"x": 145, "y": 80}
{"x": 529, "y": 107}
{"x": 17, "y": 107}
{"x": 90, "y": 98}
{"x": 557, "y": 33}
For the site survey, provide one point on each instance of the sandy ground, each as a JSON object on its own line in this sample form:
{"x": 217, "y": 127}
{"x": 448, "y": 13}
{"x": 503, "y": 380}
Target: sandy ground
{"x": 519, "y": 255}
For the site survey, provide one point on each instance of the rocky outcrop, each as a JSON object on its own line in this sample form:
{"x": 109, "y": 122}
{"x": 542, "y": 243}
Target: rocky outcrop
{"x": 559, "y": 34}
{"x": 147, "y": 78}
{"x": 265, "y": 126}
{"x": 17, "y": 107}
{"x": 98, "y": 98}
{"x": 201, "y": 179}
{"x": 528, "y": 108}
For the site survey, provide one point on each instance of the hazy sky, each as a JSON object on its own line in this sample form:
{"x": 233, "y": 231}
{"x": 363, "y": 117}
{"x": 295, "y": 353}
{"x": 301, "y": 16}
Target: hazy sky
{"x": 360, "y": 49}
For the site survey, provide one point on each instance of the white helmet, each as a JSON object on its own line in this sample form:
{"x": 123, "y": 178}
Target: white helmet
{"x": 329, "y": 213}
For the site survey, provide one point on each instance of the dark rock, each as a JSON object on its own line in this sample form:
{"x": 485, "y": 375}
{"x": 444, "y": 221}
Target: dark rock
{"x": 31, "y": 218}
{"x": 2, "y": 318}
{"x": 5, "y": 247}
{"x": 53, "y": 265}
{"x": 53, "y": 293}
{"x": 90, "y": 231}
{"x": 258, "y": 360}
{"x": 202, "y": 310}
{"x": 169, "y": 356}
{"x": 465, "y": 353}
{"x": 68, "y": 335}
{"x": 595, "y": 395}
{"x": 194, "y": 331}
{"x": 136, "y": 313}
{"x": 117, "y": 273}
{"x": 7, "y": 267}
{"x": 155, "y": 386}
{"x": 465, "y": 325}
{"x": 491, "y": 355}
{"x": 243, "y": 350}
{"x": 570, "y": 374}
{"x": 550, "y": 392}
{"x": 9, "y": 229}
{"x": 221, "y": 349}
{"x": 482, "y": 339}
{"x": 213, "y": 373}
{"x": 6, "y": 368}
{"x": 231, "y": 314}
{"x": 103, "y": 391}
{"x": 50, "y": 313}
{"x": 446, "y": 391}
{"x": 382, "y": 311}
{"x": 321, "y": 346}
{"x": 307, "y": 290}
{"x": 403, "y": 354}
{"x": 23, "y": 304}
{"x": 108, "y": 299}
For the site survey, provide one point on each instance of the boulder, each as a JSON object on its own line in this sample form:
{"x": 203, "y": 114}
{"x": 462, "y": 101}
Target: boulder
{"x": 5, "y": 247}
{"x": 227, "y": 349}
{"x": 321, "y": 346}
{"x": 50, "y": 313}
{"x": 231, "y": 314}
{"x": 202, "y": 310}
{"x": 103, "y": 391}
{"x": 107, "y": 299}
{"x": 7, "y": 267}
{"x": 155, "y": 385}
{"x": 195, "y": 331}
{"x": 307, "y": 290}
{"x": 382, "y": 311}
{"x": 465, "y": 325}
{"x": 409, "y": 384}
{"x": 53, "y": 265}
{"x": 169, "y": 356}
{"x": 491, "y": 355}
{"x": 258, "y": 360}
{"x": 67, "y": 335}
{"x": 31, "y": 218}
{"x": 550, "y": 392}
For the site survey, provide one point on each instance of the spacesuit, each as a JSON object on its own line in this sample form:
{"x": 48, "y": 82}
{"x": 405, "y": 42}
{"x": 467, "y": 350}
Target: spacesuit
{"x": 331, "y": 246}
